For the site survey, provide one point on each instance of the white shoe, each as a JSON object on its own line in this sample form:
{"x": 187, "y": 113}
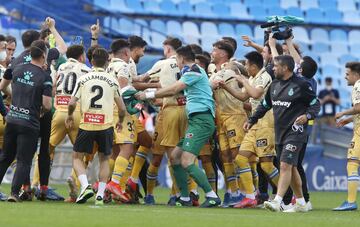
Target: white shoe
{"x": 309, "y": 206}
{"x": 272, "y": 206}
{"x": 297, "y": 208}
{"x": 286, "y": 207}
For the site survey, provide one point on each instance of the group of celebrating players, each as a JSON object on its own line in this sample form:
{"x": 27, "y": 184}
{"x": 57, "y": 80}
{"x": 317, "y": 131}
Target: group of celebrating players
{"x": 255, "y": 111}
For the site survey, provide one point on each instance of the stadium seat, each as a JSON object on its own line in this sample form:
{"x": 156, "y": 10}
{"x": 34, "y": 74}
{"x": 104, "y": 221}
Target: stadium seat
{"x": 346, "y": 5}
{"x": 221, "y": 10}
{"x": 319, "y": 35}
{"x": 239, "y": 11}
{"x": 146, "y": 35}
{"x": 139, "y": 26}
{"x": 304, "y": 47}
{"x": 207, "y": 42}
{"x": 209, "y": 29}
{"x": 243, "y": 29}
{"x": 330, "y": 71}
{"x": 327, "y": 4}
{"x": 339, "y": 48}
{"x": 158, "y": 25}
{"x": 152, "y": 7}
{"x": 354, "y": 36}
{"x": 251, "y": 3}
{"x": 185, "y": 8}
{"x": 300, "y": 33}
{"x": 285, "y": 4}
{"x": 119, "y": 6}
{"x": 333, "y": 16}
{"x": 273, "y": 11}
{"x": 174, "y": 28}
{"x": 258, "y": 13}
{"x": 226, "y": 29}
{"x": 272, "y": 4}
{"x": 193, "y": 2}
{"x": 102, "y": 3}
{"x": 329, "y": 59}
{"x": 135, "y": 5}
{"x": 355, "y": 50}
{"x": 214, "y": 1}
{"x": 314, "y": 55}
{"x": 295, "y": 11}
{"x": 346, "y": 58}
{"x": 169, "y": 7}
{"x": 308, "y": 4}
{"x": 126, "y": 26}
{"x": 320, "y": 48}
{"x": 157, "y": 40}
{"x": 315, "y": 15}
{"x": 259, "y": 33}
{"x": 338, "y": 35}
{"x": 203, "y": 10}
{"x": 351, "y": 17}
{"x": 190, "y": 28}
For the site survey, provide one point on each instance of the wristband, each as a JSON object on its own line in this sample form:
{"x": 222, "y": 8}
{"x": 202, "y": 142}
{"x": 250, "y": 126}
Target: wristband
{"x": 94, "y": 38}
{"x": 150, "y": 94}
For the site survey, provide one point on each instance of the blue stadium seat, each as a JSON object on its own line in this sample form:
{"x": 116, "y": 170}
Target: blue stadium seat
{"x": 351, "y": 17}
{"x": 354, "y": 36}
{"x": 185, "y": 8}
{"x": 243, "y": 29}
{"x": 126, "y": 26}
{"x": 338, "y": 35}
{"x": 327, "y": 4}
{"x": 308, "y": 4}
{"x": 300, "y": 33}
{"x": 226, "y": 29}
{"x": 146, "y": 35}
{"x": 174, "y": 28}
{"x": 239, "y": 11}
{"x": 158, "y": 25}
{"x": 209, "y": 29}
{"x": 320, "y": 48}
{"x": 339, "y": 48}
{"x": 288, "y": 3}
{"x": 102, "y": 3}
{"x": 203, "y": 10}
{"x": 334, "y": 17}
{"x": 258, "y": 13}
{"x": 330, "y": 70}
{"x": 214, "y": 1}
{"x": 304, "y": 47}
{"x": 252, "y": 3}
{"x": 346, "y": 5}
{"x": 190, "y": 28}
{"x": 319, "y": 35}
{"x": 135, "y": 5}
{"x": 295, "y": 11}
{"x": 355, "y": 50}
{"x": 276, "y": 11}
{"x": 169, "y": 7}
{"x": 346, "y": 58}
{"x": 271, "y": 4}
{"x": 207, "y": 42}
{"x": 157, "y": 40}
{"x": 314, "y": 55}
{"x": 328, "y": 59}
{"x": 315, "y": 15}
{"x": 221, "y": 10}
{"x": 152, "y": 7}
{"x": 259, "y": 33}
{"x": 118, "y": 6}
{"x": 139, "y": 26}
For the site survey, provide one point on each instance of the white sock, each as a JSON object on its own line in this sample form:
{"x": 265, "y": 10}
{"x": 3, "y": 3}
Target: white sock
{"x": 134, "y": 180}
{"x": 278, "y": 199}
{"x": 211, "y": 194}
{"x": 301, "y": 201}
{"x": 83, "y": 181}
{"x": 235, "y": 194}
{"x": 195, "y": 192}
{"x": 250, "y": 196}
{"x": 115, "y": 181}
{"x": 186, "y": 199}
{"x": 101, "y": 189}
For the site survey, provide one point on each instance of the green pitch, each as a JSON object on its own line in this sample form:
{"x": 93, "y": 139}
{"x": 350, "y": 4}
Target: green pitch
{"x": 60, "y": 214}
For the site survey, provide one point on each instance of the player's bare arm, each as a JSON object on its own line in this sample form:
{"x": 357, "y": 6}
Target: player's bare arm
{"x": 163, "y": 92}
{"x": 61, "y": 45}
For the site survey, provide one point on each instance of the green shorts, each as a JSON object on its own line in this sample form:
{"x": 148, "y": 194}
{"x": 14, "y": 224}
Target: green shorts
{"x": 201, "y": 127}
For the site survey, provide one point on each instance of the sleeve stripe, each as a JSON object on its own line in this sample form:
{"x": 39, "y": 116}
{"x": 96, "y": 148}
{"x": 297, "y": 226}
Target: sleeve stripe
{"x": 48, "y": 83}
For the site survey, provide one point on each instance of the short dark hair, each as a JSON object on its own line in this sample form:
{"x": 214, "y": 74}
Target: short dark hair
{"x": 255, "y": 58}
{"x": 75, "y": 51}
{"x": 205, "y": 60}
{"x": 29, "y": 37}
{"x": 136, "y": 41}
{"x": 328, "y": 79}
{"x": 353, "y": 66}
{"x": 196, "y": 48}
{"x": 231, "y": 40}
{"x": 11, "y": 39}
{"x": 308, "y": 67}
{"x": 277, "y": 46}
{"x": 286, "y": 60}
{"x": 100, "y": 57}
{"x": 186, "y": 52}
{"x": 44, "y": 33}
{"x": 226, "y": 46}
{"x": 90, "y": 52}
{"x": 175, "y": 43}
{"x": 37, "y": 49}
{"x": 2, "y": 38}
{"x": 118, "y": 45}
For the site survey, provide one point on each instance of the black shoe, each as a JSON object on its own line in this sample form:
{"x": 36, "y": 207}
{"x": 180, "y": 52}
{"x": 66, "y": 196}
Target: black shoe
{"x": 14, "y": 198}
{"x": 172, "y": 201}
{"x": 182, "y": 203}
{"x": 194, "y": 199}
{"x": 211, "y": 202}
{"x": 85, "y": 194}
{"x": 27, "y": 194}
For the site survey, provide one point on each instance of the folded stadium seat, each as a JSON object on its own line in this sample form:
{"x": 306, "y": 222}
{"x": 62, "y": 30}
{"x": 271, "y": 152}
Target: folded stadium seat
{"x": 315, "y": 15}
{"x": 243, "y": 29}
{"x": 285, "y": 4}
{"x": 221, "y": 10}
{"x": 320, "y": 48}
{"x": 139, "y": 25}
{"x": 347, "y": 58}
{"x": 339, "y": 48}
{"x": 136, "y": 6}
{"x": 338, "y": 35}
{"x": 355, "y": 50}
{"x": 259, "y": 33}
{"x": 203, "y": 10}
{"x": 308, "y": 4}
{"x": 185, "y": 8}
{"x": 346, "y": 5}
{"x": 300, "y": 33}
{"x": 157, "y": 39}
{"x": 239, "y": 54}
{"x": 174, "y": 28}
{"x": 153, "y": 8}
{"x": 251, "y": 3}
{"x": 114, "y": 24}
{"x": 226, "y": 29}
{"x": 146, "y": 35}
{"x": 319, "y": 35}
{"x": 271, "y": 4}
{"x": 304, "y": 47}
{"x": 239, "y": 11}
{"x": 327, "y": 4}
{"x": 214, "y": 1}
{"x": 258, "y": 13}
{"x": 191, "y": 32}
{"x": 158, "y": 25}
{"x": 119, "y": 6}
{"x": 330, "y": 70}
{"x": 125, "y": 26}
{"x": 101, "y": 3}
{"x": 207, "y": 42}
{"x": 295, "y": 11}
{"x": 329, "y": 59}
{"x": 354, "y": 36}
{"x": 334, "y": 17}
{"x": 169, "y": 7}
{"x": 274, "y": 11}
{"x": 351, "y": 17}
{"x": 209, "y": 29}
{"x": 314, "y": 55}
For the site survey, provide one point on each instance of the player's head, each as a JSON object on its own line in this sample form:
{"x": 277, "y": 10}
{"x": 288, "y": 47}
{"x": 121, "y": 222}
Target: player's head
{"x": 44, "y": 34}
{"x": 121, "y": 49}
{"x": 283, "y": 66}
{"x": 203, "y": 61}
{"x": 100, "y": 58}
{"x": 76, "y": 52}
{"x": 90, "y": 51}
{"x": 3, "y": 55}
{"x": 137, "y": 47}
{"x": 328, "y": 82}
{"x": 231, "y": 40}
{"x": 352, "y": 73}
{"x": 184, "y": 55}
{"x": 29, "y": 37}
{"x": 10, "y": 46}
{"x": 254, "y": 62}
{"x": 39, "y": 51}
{"x": 222, "y": 52}
{"x": 197, "y": 49}
{"x": 238, "y": 68}
{"x": 308, "y": 67}
{"x": 266, "y": 53}
{"x": 171, "y": 44}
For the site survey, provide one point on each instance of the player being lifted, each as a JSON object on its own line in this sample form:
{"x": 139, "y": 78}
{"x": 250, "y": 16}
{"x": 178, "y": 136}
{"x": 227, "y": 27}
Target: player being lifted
{"x": 94, "y": 91}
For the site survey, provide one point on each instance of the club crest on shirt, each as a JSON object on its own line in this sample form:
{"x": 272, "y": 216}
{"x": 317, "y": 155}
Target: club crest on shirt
{"x": 261, "y": 143}
{"x": 189, "y": 135}
{"x": 291, "y": 92}
{"x": 231, "y": 133}
{"x": 352, "y": 145}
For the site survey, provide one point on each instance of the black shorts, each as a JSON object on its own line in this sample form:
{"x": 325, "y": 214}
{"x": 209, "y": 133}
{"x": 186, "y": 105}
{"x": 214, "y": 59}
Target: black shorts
{"x": 84, "y": 142}
{"x": 289, "y": 152}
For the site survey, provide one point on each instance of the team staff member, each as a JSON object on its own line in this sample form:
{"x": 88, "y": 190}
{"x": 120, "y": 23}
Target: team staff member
{"x": 32, "y": 91}
{"x": 94, "y": 92}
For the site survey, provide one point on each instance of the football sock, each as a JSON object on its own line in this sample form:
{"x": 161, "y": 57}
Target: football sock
{"x": 278, "y": 199}
{"x": 211, "y": 194}
{"x": 36, "y": 176}
{"x": 271, "y": 171}
{"x": 353, "y": 181}
{"x": 83, "y": 181}
{"x": 75, "y": 178}
{"x": 127, "y": 173}
{"x": 174, "y": 187}
{"x": 111, "y": 165}
{"x": 255, "y": 175}
{"x": 101, "y": 189}
{"x": 245, "y": 174}
{"x": 151, "y": 177}
{"x": 230, "y": 176}
{"x": 120, "y": 167}
{"x": 140, "y": 159}
{"x": 210, "y": 174}
{"x": 192, "y": 184}
{"x": 301, "y": 201}
{"x": 199, "y": 176}
{"x": 181, "y": 178}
